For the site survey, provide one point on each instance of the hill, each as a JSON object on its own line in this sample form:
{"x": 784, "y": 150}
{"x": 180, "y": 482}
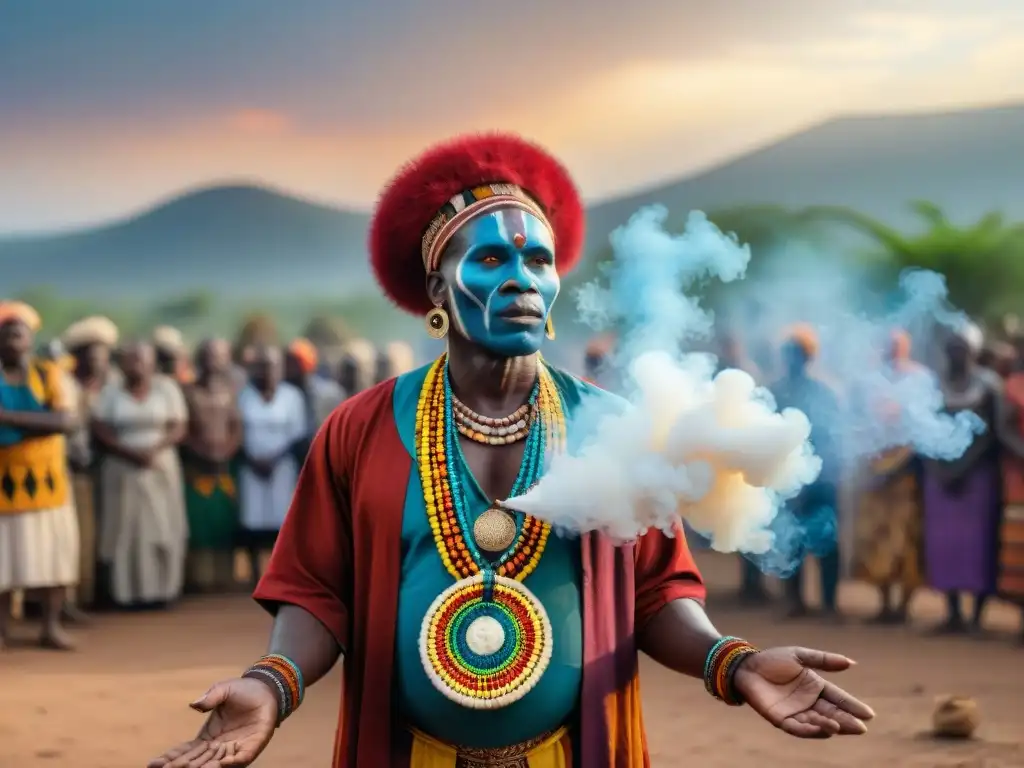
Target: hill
{"x": 243, "y": 241}
{"x": 962, "y": 161}
{"x": 236, "y": 241}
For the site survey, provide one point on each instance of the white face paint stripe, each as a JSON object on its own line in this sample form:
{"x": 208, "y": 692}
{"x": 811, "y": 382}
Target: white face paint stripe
{"x": 466, "y": 292}
{"x": 456, "y": 318}
{"x": 502, "y": 227}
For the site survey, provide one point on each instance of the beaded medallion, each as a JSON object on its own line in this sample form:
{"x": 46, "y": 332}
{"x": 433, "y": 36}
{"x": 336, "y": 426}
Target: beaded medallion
{"x": 486, "y": 640}
{"x": 485, "y": 645}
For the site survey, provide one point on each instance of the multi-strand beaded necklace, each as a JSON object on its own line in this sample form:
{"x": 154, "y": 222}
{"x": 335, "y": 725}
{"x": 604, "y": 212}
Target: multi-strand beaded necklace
{"x": 486, "y": 640}
{"x": 441, "y": 468}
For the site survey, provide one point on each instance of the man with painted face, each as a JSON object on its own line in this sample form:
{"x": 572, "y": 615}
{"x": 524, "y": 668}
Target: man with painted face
{"x": 473, "y": 635}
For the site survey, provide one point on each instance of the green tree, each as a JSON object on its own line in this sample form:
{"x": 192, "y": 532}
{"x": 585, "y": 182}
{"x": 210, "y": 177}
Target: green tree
{"x": 983, "y": 262}
{"x": 183, "y": 309}
{"x": 327, "y": 331}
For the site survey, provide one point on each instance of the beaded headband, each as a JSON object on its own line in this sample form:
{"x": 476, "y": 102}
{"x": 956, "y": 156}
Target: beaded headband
{"x": 464, "y": 206}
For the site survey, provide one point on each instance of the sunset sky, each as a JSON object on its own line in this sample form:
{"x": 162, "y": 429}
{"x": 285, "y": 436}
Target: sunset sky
{"x": 107, "y": 106}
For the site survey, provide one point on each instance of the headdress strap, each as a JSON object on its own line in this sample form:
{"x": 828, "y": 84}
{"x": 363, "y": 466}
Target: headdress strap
{"x": 468, "y": 204}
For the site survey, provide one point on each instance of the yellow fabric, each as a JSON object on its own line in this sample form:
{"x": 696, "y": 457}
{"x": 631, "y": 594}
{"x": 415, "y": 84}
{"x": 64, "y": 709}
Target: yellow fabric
{"x": 205, "y": 485}
{"x": 428, "y": 752}
{"x": 624, "y": 717}
{"x": 37, "y": 458}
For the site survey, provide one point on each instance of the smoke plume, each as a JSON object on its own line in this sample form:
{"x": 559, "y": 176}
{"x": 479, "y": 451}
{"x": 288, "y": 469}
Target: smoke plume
{"x": 709, "y": 446}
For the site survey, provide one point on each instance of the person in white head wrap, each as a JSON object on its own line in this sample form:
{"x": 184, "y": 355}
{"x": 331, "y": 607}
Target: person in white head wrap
{"x": 961, "y": 497}
{"x": 90, "y": 341}
{"x": 171, "y": 353}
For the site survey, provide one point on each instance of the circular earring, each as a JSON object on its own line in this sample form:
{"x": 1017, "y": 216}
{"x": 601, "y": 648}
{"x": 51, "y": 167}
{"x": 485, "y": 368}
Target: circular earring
{"x": 437, "y": 323}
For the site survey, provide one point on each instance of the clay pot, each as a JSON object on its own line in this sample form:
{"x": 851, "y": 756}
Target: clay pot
{"x": 955, "y": 717}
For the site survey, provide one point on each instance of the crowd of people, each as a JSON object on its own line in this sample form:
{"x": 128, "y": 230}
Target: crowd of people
{"x": 956, "y": 527}
{"x": 133, "y": 471}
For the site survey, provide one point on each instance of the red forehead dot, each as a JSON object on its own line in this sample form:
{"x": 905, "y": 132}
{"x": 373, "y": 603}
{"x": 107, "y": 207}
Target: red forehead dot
{"x": 518, "y": 240}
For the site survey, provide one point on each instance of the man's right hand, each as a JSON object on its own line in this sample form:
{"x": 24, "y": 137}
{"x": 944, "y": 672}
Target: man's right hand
{"x": 243, "y": 716}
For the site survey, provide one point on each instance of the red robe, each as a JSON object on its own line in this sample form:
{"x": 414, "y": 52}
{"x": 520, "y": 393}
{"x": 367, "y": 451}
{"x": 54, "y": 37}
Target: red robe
{"x": 339, "y": 555}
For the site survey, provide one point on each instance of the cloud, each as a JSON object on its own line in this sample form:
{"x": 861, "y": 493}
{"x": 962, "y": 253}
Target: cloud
{"x": 361, "y": 65}
{"x": 114, "y": 103}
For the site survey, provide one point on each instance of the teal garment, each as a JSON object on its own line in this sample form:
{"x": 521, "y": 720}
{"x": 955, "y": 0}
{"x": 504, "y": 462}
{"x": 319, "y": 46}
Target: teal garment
{"x": 555, "y": 582}
{"x": 16, "y": 398}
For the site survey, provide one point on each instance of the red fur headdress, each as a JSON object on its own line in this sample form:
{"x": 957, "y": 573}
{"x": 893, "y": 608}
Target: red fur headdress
{"x": 413, "y": 200}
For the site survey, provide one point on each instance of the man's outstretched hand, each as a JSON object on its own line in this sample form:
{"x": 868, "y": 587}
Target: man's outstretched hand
{"x": 783, "y": 686}
{"x": 243, "y": 716}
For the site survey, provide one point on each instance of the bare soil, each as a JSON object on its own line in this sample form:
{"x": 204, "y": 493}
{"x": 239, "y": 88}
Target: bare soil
{"x": 122, "y": 697}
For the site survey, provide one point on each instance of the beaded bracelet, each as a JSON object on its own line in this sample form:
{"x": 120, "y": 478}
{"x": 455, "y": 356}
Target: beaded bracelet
{"x": 720, "y": 667}
{"x": 284, "y": 678}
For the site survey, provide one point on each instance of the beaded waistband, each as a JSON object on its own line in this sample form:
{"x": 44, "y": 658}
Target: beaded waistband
{"x": 512, "y": 756}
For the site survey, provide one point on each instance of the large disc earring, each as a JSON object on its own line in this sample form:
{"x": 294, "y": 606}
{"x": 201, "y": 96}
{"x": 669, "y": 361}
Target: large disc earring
{"x": 549, "y": 328}
{"x": 437, "y": 323}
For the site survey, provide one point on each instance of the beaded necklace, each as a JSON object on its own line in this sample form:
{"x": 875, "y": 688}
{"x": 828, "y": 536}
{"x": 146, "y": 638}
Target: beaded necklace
{"x": 486, "y": 640}
{"x": 441, "y": 462}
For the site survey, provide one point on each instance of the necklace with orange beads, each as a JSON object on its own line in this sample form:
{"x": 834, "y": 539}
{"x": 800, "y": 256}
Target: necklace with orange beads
{"x": 486, "y": 640}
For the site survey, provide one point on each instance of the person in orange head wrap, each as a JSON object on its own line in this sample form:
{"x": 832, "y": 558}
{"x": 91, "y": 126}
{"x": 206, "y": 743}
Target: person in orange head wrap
{"x": 887, "y": 528}
{"x": 815, "y": 508}
{"x": 473, "y": 634}
{"x": 320, "y": 394}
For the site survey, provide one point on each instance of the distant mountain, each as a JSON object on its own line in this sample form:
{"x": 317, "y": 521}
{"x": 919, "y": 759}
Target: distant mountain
{"x": 963, "y": 161}
{"x": 241, "y": 241}
{"x": 232, "y": 240}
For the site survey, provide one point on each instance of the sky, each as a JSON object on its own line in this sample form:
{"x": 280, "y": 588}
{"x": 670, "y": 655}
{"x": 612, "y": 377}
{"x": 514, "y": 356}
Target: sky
{"x": 109, "y": 106}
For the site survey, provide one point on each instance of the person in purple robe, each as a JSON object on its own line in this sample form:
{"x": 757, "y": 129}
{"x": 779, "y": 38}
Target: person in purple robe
{"x": 962, "y": 496}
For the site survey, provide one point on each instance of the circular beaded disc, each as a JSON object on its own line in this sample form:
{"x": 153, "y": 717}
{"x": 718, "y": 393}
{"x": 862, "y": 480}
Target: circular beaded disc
{"x": 485, "y": 654}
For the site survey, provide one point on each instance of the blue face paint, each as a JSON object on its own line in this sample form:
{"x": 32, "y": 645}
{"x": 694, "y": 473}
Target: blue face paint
{"x": 500, "y": 272}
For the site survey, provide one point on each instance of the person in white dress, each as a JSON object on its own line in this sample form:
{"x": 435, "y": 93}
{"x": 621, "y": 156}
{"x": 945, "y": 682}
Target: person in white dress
{"x": 274, "y": 425}
{"x": 138, "y": 422}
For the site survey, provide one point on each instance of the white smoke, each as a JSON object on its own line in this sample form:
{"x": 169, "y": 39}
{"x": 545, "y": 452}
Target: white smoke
{"x": 712, "y": 449}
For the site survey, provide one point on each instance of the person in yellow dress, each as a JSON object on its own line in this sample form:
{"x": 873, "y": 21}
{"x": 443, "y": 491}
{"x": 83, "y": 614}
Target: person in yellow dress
{"x": 887, "y": 528}
{"x": 38, "y": 528}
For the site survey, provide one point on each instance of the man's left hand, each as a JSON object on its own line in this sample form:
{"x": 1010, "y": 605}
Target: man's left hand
{"x": 783, "y": 686}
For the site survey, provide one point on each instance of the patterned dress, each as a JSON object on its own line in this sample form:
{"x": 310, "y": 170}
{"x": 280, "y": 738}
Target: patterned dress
{"x": 888, "y": 523}
{"x": 1011, "y": 433}
{"x": 38, "y": 528}
{"x": 887, "y": 529}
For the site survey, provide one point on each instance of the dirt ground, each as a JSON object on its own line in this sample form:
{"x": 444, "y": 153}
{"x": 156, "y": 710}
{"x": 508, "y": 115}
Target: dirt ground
{"x": 122, "y": 698}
